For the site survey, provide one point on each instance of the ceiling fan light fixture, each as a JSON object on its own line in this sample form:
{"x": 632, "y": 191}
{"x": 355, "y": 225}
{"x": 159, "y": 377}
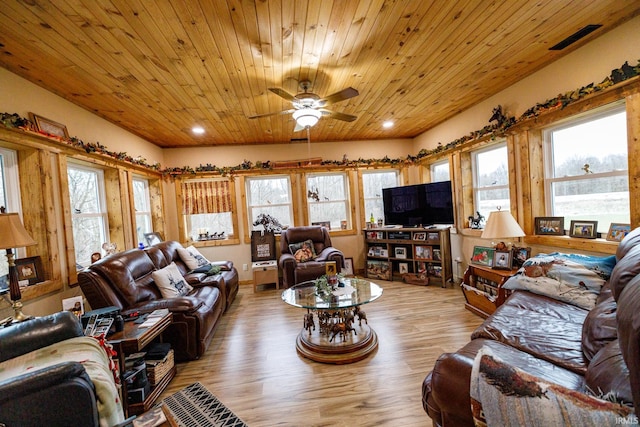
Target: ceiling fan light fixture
{"x": 388, "y": 124}
{"x": 306, "y": 117}
{"x": 198, "y": 130}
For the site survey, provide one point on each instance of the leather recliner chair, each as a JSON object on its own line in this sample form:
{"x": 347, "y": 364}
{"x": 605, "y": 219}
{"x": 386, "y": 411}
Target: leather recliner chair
{"x": 294, "y": 272}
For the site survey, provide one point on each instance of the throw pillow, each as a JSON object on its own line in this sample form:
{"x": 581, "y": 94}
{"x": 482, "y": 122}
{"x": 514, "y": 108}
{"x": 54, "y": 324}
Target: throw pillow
{"x": 303, "y": 251}
{"x": 170, "y": 282}
{"x": 572, "y": 278}
{"x": 192, "y": 257}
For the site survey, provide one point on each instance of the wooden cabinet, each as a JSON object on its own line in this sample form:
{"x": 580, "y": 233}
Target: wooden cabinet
{"x": 482, "y": 289}
{"x": 393, "y": 253}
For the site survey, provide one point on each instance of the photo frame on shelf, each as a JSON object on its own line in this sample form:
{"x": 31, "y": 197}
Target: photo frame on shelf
{"x": 48, "y": 126}
{"x": 584, "y": 229}
{"x": 74, "y": 305}
{"x": 29, "y": 270}
{"x": 502, "y": 260}
{"x": 400, "y": 252}
{"x": 325, "y": 224}
{"x": 152, "y": 238}
{"x": 483, "y": 255}
{"x": 423, "y": 252}
{"x": 403, "y": 268}
{"x": 618, "y": 231}
{"x": 420, "y": 236}
{"x": 549, "y": 225}
{"x": 347, "y": 270}
{"x": 520, "y": 255}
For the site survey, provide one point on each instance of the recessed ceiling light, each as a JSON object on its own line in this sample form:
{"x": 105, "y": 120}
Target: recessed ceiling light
{"x": 388, "y": 124}
{"x": 198, "y": 130}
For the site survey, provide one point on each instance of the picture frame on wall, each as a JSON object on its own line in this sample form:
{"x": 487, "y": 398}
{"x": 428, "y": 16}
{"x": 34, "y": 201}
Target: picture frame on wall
{"x": 49, "y": 127}
{"x": 549, "y": 225}
{"x": 618, "y": 231}
{"x": 29, "y": 270}
{"x": 483, "y": 255}
{"x": 584, "y": 229}
{"x": 502, "y": 260}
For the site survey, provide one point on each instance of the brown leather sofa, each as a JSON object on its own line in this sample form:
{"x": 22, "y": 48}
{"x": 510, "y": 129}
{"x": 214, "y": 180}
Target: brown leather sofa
{"x": 124, "y": 280}
{"x": 578, "y": 349}
{"x": 294, "y": 272}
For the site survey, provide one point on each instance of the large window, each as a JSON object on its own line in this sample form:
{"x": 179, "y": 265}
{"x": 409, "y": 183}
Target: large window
{"x": 142, "y": 206}
{"x": 10, "y": 199}
{"x": 328, "y": 199}
{"x": 440, "y": 171}
{"x": 271, "y": 196}
{"x": 586, "y": 169}
{"x": 372, "y": 184}
{"x": 208, "y": 208}
{"x": 491, "y": 179}
{"x": 88, "y": 211}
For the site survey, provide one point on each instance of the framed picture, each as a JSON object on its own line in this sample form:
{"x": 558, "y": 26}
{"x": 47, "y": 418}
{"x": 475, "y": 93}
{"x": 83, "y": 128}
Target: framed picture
{"x": 347, "y": 270}
{"x": 378, "y": 270}
{"x": 502, "y": 260}
{"x": 483, "y": 255}
{"x": 420, "y": 236}
{"x": 520, "y": 255}
{"x": 30, "y": 269}
{"x": 49, "y": 126}
{"x": 436, "y": 254}
{"x": 330, "y": 268}
{"x": 401, "y": 252}
{"x": 403, "y": 268}
{"x": 152, "y": 238}
{"x": 549, "y": 225}
{"x": 433, "y": 237}
{"x": 74, "y": 305}
{"x": 424, "y": 252}
{"x": 584, "y": 229}
{"x": 325, "y": 224}
{"x": 617, "y": 231}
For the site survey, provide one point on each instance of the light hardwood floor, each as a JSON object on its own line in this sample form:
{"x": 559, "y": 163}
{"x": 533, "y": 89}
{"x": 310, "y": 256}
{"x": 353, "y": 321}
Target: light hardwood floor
{"x": 252, "y": 365}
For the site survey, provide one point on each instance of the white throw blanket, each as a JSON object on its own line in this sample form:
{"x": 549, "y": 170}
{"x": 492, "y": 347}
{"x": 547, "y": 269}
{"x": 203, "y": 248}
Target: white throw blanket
{"x": 88, "y": 352}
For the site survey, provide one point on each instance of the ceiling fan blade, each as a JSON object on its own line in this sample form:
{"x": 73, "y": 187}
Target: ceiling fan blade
{"x": 338, "y": 96}
{"x": 340, "y": 116}
{"x": 279, "y": 113}
{"x": 281, "y": 93}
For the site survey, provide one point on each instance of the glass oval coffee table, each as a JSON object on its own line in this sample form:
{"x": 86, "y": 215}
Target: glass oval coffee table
{"x": 335, "y": 329}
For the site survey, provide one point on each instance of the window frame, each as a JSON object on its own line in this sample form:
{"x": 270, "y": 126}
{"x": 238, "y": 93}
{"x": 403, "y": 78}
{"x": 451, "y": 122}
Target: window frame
{"x": 501, "y": 144}
{"x": 249, "y": 207}
{"x": 364, "y": 218}
{"x": 143, "y": 213}
{"x": 433, "y": 165}
{"x": 349, "y": 206}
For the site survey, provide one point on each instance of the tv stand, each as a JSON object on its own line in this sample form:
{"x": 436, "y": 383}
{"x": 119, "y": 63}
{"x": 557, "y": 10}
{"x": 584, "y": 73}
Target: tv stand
{"x": 424, "y": 253}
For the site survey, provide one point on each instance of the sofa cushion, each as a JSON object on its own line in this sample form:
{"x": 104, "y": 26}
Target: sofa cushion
{"x": 625, "y": 270}
{"x": 572, "y": 278}
{"x": 303, "y": 251}
{"x": 541, "y": 326}
{"x": 600, "y": 327}
{"x": 607, "y": 375}
{"x": 192, "y": 257}
{"x": 170, "y": 282}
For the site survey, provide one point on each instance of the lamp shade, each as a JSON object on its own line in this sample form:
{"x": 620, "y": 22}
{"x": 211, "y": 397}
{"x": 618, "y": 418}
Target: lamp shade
{"x": 12, "y": 232}
{"x": 501, "y": 224}
{"x": 306, "y": 117}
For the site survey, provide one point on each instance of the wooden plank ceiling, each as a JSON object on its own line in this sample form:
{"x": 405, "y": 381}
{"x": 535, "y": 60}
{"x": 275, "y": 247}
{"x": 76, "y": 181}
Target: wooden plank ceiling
{"x": 157, "y": 68}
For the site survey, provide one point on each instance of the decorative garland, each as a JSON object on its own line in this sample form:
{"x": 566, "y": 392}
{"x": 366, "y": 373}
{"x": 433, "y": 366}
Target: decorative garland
{"x": 621, "y": 74}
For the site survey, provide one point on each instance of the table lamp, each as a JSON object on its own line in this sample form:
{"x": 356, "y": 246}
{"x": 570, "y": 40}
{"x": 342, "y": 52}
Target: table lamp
{"x": 501, "y": 225}
{"x": 13, "y": 235}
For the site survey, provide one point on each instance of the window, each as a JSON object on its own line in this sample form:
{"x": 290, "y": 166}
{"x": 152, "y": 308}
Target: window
{"x": 328, "y": 199}
{"x": 142, "y": 204}
{"x": 271, "y": 196}
{"x": 10, "y": 199}
{"x": 208, "y": 208}
{"x": 490, "y": 179}
{"x": 586, "y": 169}
{"x": 88, "y": 211}
{"x": 372, "y": 184}
{"x": 440, "y": 171}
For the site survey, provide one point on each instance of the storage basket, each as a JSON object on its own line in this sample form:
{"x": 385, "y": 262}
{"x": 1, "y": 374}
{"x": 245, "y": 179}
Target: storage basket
{"x": 157, "y": 369}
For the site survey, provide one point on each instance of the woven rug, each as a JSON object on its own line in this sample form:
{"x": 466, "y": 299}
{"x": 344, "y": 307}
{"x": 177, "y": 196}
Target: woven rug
{"x": 195, "y": 406}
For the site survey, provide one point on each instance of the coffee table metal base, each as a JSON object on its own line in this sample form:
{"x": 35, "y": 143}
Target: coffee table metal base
{"x": 319, "y": 348}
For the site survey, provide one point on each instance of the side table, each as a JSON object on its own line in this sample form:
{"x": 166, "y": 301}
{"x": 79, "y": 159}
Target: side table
{"x": 132, "y": 339}
{"x": 482, "y": 289}
{"x": 265, "y": 272}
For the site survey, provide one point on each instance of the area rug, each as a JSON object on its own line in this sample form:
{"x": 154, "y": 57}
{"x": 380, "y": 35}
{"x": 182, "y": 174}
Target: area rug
{"x": 195, "y": 406}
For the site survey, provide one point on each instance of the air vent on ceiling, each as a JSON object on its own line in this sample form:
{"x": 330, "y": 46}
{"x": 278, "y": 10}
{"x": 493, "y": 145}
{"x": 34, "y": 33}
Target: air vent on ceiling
{"x": 583, "y": 32}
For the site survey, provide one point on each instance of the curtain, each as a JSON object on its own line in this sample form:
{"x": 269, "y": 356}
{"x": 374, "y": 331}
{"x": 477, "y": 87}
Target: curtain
{"x": 201, "y": 197}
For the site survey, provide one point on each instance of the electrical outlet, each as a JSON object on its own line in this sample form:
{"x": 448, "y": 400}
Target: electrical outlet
{"x": 245, "y": 267}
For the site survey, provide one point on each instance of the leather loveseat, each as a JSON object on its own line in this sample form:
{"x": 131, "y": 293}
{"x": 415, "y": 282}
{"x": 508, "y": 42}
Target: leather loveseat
{"x": 592, "y": 352}
{"x": 47, "y": 374}
{"x": 124, "y": 280}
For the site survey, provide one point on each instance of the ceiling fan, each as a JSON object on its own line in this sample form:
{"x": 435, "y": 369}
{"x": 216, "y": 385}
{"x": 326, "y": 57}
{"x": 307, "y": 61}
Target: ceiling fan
{"x": 309, "y": 107}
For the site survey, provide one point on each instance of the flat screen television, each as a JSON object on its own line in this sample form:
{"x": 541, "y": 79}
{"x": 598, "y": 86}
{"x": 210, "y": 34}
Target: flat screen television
{"x": 420, "y": 204}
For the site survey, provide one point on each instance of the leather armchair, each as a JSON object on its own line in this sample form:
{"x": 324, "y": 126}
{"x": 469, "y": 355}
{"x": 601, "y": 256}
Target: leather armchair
{"x": 58, "y": 395}
{"x": 294, "y": 272}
